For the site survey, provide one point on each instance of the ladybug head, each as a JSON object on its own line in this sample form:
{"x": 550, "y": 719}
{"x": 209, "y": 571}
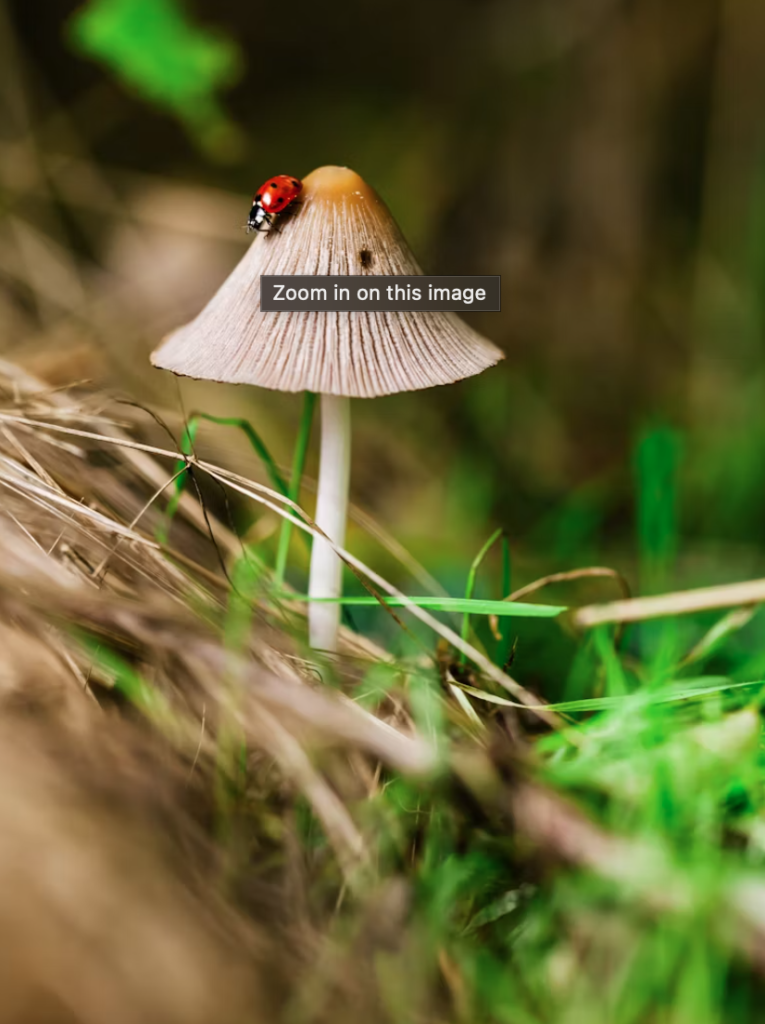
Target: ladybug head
{"x": 258, "y": 217}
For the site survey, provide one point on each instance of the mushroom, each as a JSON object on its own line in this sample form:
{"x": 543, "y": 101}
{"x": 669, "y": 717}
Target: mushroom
{"x": 341, "y": 226}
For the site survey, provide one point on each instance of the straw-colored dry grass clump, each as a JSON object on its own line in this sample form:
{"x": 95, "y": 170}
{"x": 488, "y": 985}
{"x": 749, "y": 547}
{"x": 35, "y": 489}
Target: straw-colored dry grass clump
{"x": 149, "y": 860}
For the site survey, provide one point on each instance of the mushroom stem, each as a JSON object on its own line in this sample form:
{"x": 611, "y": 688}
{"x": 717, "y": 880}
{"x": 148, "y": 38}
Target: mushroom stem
{"x": 326, "y": 579}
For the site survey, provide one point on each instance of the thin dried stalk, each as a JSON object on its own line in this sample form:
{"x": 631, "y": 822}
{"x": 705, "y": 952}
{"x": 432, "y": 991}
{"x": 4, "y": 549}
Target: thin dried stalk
{"x": 682, "y": 602}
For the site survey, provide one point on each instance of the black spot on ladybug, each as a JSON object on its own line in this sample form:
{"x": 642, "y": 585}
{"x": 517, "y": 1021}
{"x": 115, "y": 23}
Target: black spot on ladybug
{"x": 273, "y": 184}
{"x": 295, "y": 182}
{"x": 365, "y": 256}
{"x": 280, "y": 200}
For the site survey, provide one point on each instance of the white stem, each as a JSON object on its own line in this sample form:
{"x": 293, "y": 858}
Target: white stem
{"x": 331, "y": 515}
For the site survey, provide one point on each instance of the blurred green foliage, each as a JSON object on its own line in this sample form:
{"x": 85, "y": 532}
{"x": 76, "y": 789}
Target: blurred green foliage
{"x": 153, "y": 47}
{"x": 656, "y": 469}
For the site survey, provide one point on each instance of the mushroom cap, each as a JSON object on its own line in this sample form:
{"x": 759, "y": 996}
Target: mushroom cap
{"x": 361, "y": 354}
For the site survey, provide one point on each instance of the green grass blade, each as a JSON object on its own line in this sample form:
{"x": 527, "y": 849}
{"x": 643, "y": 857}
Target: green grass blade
{"x": 187, "y": 447}
{"x": 278, "y": 481}
{"x": 715, "y": 637}
{"x": 657, "y": 460}
{"x": 298, "y": 466}
{"x": 682, "y": 691}
{"x": 146, "y": 698}
{"x": 470, "y": 586}
{"x": 503, "y": 647}
{"x": 656, "y": 464}
{"x": 669, "y": 695}
{"x": 506, "y": 565}
{"x": 471, "y": 606}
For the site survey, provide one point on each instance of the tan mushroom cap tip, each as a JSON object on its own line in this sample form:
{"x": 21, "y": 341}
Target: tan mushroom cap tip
{"x": 333, "y": 184}
{"x": 360, "y": 354}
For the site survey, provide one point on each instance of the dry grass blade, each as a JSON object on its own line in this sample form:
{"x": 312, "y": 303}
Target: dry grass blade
{"x": 341, "y": 832}
{"x": 591, "y": 572}
{"x": 171, "y": 631}
{"x": 277, "y": 503}
{"x": 682, "y": 602}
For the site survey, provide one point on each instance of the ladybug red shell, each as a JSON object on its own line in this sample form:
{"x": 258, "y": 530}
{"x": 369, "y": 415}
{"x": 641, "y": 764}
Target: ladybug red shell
{"x": 273, "y": 197}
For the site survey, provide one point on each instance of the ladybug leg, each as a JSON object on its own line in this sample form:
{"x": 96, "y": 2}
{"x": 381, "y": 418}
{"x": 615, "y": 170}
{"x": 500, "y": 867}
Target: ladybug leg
{"x": 287, "y": 209}
{"x": 264, "y": 226}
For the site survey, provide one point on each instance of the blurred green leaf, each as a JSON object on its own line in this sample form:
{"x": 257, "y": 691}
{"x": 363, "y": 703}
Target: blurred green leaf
{"x": 656, "y": 468}
{"x": 656, "y": 464}
{"x": 153, "y": 47}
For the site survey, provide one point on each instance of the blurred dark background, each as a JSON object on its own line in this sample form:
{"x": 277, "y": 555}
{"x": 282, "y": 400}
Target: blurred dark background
{"x": 606, "y": 158}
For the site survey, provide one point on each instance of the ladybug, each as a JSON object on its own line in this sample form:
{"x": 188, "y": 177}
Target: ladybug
{"x": 272, "y": 198}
